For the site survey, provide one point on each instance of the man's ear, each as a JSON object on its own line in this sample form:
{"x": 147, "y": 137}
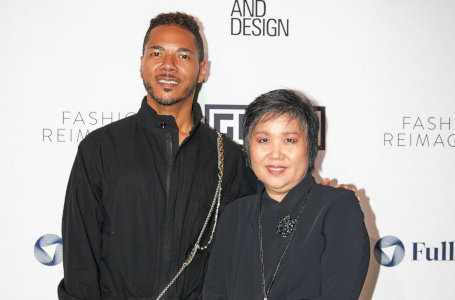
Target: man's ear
{"x": 140, "y": 68}
{"x": 202, "y": 71}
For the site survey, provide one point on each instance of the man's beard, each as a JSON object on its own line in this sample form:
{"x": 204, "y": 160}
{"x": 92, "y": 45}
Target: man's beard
{"x": 167, "y": 101}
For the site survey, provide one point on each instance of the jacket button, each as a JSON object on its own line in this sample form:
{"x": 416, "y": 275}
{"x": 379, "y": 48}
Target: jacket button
{"x": 163, "y": 124}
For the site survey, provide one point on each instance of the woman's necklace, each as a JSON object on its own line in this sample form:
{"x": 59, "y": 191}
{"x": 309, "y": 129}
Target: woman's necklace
{"x": 261, "y": 251}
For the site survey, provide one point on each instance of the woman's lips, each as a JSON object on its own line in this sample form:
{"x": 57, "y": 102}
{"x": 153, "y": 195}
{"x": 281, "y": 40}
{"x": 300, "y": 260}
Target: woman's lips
{"x": 276, "y": 170}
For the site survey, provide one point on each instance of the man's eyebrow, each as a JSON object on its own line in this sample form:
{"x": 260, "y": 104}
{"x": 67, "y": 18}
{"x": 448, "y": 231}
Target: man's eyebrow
{"x": 156, "y": 47}
{"x": 184, "y": 50}
{"x": 178, "y": 49}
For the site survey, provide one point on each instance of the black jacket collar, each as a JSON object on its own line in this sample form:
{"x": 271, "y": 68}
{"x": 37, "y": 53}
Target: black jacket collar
{"x": 150, "y": 117}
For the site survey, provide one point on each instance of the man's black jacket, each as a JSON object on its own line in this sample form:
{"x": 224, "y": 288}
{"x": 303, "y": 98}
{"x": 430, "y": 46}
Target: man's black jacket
{"x": 135, "y": 203}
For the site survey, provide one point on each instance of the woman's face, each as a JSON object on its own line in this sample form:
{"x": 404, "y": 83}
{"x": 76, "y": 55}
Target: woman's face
{"x": 279, "y": 154}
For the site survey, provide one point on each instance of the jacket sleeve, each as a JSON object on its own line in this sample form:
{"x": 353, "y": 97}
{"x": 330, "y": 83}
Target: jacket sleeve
{"x": 344, "y": 262}
{"x": 240, "y": 181}
{"x": 81, "y": 231}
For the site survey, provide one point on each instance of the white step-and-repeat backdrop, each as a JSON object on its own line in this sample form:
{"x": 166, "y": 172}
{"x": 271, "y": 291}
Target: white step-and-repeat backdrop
{"x": 382, "y": 71}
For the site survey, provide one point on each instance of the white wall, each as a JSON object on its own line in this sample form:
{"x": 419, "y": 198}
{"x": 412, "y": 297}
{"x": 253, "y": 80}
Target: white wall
{"x": 372, "y": 64}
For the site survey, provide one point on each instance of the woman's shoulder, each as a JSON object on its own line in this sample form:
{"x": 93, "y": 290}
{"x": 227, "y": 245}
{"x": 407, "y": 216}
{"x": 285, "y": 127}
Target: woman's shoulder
{"x": 328, "y": 197}
{"x": 335, "y": 207}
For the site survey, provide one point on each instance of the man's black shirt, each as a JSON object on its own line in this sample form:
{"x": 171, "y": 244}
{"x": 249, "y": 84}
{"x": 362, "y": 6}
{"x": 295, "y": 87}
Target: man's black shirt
{"x": 135, "y": 203}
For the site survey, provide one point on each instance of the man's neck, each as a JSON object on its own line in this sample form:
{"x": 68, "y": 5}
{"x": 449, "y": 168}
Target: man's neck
{"x": 180, "y": 111}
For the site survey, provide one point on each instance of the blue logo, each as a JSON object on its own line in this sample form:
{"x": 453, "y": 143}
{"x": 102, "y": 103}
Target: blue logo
{"x": 42, "y": 256}
{"x": 389, "y": 242}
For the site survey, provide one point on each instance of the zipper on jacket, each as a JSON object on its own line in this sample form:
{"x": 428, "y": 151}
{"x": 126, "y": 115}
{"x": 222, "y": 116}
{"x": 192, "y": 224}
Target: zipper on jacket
{"x": 169, "y": 164}
{"x": 167, "y": 241}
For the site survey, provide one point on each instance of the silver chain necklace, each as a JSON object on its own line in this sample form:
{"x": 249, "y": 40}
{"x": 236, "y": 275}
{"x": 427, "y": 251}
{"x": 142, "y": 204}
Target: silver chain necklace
{"x": 261, "y": 251}
{"x": 214, "y": 207}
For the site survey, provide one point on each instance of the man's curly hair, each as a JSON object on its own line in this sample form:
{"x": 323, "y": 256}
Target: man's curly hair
{"x": 179, "y": 19}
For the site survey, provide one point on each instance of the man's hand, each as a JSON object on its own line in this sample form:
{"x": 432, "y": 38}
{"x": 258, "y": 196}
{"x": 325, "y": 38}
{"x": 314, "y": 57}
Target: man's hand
{"x": 326, "y": 181}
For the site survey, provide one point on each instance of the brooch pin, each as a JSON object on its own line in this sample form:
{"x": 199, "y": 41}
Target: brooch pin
{"x": 286, "y": 226}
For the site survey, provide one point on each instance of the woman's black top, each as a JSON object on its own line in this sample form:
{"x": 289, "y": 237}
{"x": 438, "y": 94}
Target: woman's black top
{"x": 327, "y": 258}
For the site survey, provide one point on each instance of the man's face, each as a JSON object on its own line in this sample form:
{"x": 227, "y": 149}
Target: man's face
{"x": 170, "y": 67}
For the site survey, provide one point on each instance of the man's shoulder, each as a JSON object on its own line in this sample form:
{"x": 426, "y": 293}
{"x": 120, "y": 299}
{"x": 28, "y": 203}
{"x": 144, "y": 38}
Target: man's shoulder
{"x": 113, "y": 131}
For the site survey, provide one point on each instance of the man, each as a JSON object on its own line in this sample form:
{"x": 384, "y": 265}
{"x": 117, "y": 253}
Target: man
{"x": 141, "y": 188}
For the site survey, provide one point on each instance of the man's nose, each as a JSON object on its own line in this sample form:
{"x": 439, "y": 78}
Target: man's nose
{"x": 169, "y": 63}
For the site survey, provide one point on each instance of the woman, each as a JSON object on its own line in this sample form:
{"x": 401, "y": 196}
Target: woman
{"x": 293, "y": 239}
